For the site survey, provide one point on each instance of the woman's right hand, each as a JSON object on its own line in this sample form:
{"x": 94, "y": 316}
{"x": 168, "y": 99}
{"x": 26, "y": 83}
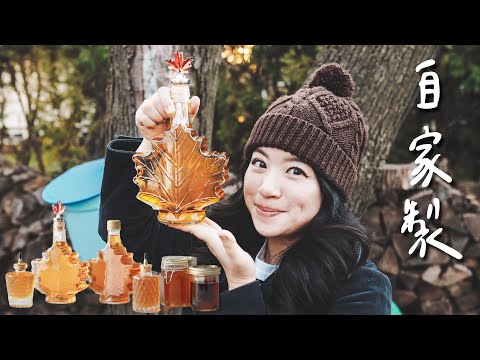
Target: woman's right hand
{"x": 238, "y": 265}
{"x": 153, "y": 116}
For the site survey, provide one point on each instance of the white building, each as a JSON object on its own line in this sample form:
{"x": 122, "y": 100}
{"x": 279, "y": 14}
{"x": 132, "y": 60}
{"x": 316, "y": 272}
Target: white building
{"x": 14, "y": 119}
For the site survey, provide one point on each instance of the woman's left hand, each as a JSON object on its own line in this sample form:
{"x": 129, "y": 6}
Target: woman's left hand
{"x": 238, "y": 265}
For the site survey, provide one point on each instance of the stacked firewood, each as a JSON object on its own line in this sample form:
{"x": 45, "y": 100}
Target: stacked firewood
{"x": 436, "y": 283}
{"x": 26, "y": 226}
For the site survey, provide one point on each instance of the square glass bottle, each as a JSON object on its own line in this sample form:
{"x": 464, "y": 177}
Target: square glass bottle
{"x": 20, "y": 285}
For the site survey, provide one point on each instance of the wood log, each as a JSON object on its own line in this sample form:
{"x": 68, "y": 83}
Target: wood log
{"x": 427, "y": 292}
{"x": 7, "y": 238}
{"x": 404, "y": 298}
{"x": 459, "y": 204}
{"x": 37, "y": 194}
{"x": 392, "y": 218}
{"x": 388, "y": 263}
{"x": 465, "y": 296}
{"x": 472, "y": 251}
{"x": 35, "y": 227}
{"x": 423, "y": 198}
{"x": 395, "y": 177}
{"x": 468, "y": 302}
{"x": 402, "y": 243}
{"x": 471, "y": 263}
{"x": 472, "y": 222}
{"x": 8, "y": 170}
{"x": 5, "y": 222}
{"x": 469, "y": 188}
{"x": 455, "y": 273}
{"x": 376, "y": 251}
{"x": 442, "y": 306}
{"x": 476, "y": 273}
{"x": 37, "y": 246}
{"x": 473, "y": 203}
{"x": 460, "y": 288}
{"x": 444, "y": 190}
{"x": 22, "y": 177}
{"x": 6, "y": 202}
{"x": 5, "y": 185}
{"x": 23, "y": 207}
{"x": 21, "y": 240}
{"x": 35, "y": 183}
{"x": 372, "y": 220}
{"x": 409, "y": 278}
{"x": 458, "y": 241}
{"x": 433, "y": 256}
{"x": 450, "y": 219}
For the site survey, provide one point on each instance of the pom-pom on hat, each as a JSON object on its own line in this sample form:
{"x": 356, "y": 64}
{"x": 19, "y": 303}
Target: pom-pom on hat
{"x": 320, "y": 124}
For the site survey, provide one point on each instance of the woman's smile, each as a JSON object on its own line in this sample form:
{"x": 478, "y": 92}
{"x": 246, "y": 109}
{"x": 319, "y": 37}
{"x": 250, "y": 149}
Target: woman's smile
{"x": 266, "y": 211}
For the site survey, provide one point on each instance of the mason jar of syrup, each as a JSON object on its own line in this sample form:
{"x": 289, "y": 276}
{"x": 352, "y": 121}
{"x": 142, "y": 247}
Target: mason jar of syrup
{"x": 176, "y": 284}
{"x": 204, "y": 287}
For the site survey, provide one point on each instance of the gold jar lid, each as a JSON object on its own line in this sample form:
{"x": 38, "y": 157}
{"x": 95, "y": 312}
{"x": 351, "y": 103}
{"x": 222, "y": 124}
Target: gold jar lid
{"x": 114, "y": 225}
{"x": 204, "y": 270}
{"x": 174, "y": 262}
{"x": 192, "y": 261}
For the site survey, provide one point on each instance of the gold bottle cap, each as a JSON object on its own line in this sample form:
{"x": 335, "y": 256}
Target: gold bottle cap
{"x": 20, "y": 265}
{"x": 204, "y": 270}
{"x": 174, "y": 262}
{"x": 114, "y": 225}
{"x": 145, "y": 267}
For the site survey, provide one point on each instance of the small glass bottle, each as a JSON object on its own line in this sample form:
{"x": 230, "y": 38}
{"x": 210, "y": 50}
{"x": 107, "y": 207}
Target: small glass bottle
{"x": 204, "y": 287}
{"x": 146, "y": 289}
{"x": 176, "y": 283}
{"x": 112, "y": 271}
{"x": 20, "y": 285}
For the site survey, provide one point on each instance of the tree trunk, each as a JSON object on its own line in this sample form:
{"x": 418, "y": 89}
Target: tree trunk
{"x": 136, "y": 72}
{"x": 3, "y": 129}
{"x": 124, "y": 90}
{"x": 386, "y": 90}
{"x": 37, "y": 150}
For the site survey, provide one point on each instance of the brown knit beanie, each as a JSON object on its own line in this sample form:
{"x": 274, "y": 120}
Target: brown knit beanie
{"x": 320, "y": 124}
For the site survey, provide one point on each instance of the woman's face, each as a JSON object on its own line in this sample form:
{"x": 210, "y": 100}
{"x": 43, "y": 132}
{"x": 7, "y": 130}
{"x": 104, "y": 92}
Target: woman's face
{"x": 281, "y": 192}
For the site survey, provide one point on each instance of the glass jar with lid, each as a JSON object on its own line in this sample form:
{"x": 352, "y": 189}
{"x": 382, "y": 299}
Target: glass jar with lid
{"x": 176, "y": 282}
{"x": 204, "y": 287}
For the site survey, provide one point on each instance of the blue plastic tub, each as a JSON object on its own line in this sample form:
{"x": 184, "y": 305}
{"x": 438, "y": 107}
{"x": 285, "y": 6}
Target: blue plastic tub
{"x": 79, "y": 190}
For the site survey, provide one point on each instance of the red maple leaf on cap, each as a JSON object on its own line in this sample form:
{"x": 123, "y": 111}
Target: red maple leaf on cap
{"x": 178, "y": 65}
{"x": 59, "y": 208}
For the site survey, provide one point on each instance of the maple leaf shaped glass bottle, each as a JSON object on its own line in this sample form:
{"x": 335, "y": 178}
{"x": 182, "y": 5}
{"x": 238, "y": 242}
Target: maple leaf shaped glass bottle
{"x": 180, "y": 178}
{"x": 112, "y": 271}
{"x": 20, "y": 285}
{"x": 59, "y": 273}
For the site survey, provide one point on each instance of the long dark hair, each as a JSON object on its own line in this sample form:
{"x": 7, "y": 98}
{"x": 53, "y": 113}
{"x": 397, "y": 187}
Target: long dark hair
{"x": 311, "y": 269}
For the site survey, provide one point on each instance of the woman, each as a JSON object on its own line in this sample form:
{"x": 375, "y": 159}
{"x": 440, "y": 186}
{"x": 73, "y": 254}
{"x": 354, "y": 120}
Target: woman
{"x": 285, "y": 240}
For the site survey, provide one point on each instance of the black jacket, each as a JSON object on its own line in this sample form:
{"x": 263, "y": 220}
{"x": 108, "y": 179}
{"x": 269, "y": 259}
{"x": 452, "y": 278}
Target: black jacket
{"x": 367, "y": 291}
